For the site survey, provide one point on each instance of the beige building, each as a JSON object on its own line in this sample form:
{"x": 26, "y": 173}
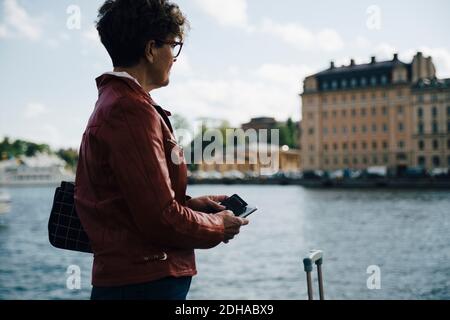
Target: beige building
{"x": 387, "y": 113}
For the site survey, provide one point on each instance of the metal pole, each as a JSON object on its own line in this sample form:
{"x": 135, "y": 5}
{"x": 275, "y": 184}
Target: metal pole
{"x": 310, "y": 289}
{"x": 319, "y": 275}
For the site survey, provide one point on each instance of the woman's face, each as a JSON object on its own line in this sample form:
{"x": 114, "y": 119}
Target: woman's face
{"x": 162, "y": 64}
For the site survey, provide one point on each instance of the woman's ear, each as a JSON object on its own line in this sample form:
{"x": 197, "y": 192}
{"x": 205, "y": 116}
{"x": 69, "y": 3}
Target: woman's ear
{"x": 150, "y": 51}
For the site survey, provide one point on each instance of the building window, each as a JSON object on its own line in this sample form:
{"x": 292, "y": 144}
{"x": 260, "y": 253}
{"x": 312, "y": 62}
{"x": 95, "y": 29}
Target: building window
{"x": 344, "y": 113}
{"x": 420, "y": 128}
{"x": 374, "y": 111}
{"x": 363, "y": 82}
{"x": 374, "y": 127}
{"x": 334, "y": 114}
{"x": 435, "y": 144}
{"x": 401, "y": 144}
{"x": 401, "y": 156}
{"x": 363, "y": 97}
{"x": 374, "y": 160}
{"x": 420, "y": 112}
{"x": 448, "y": 111}
{"x": 311, "y": 147}
{"x": 334, "y": 84}
{"x": 421, "y": 161}
{"x": 325, "y": 131}
{"x": 354, "y": 145}
{"x": 365, "y": 160}
{"x": 383, "y": 79}
{"x": 448, "y": 126}
{"x": 355, "y": 161}
{"x": 436, "y": 161}
{"x": 311, "y": 115}
{"x": 373, "y": 81}
{"x": 325, "y": 114}
{"x": 326, "y": 161}
{"x": 344, "y": 83}
{"x": 335, "y": 146}
{"x": 344, "y": 146}
{"x": 434, "y": 98}
{"x": 374, "y": 145}
{"x": 345, "y": 160}
{"x": 421, "y": 145}
{"x": 344, "y": 130}
{"x": 435, "y": 127}
{"x": 335, "y": 160}
{"x": 434, "y": 112}
{"x": 353, "y": 113}
{"x": 364, "y": 145}
{"x": 354, "y": 129}
{"x": 353, "y": 82}
{"x": 385, "y": 145}
{"x": 386, "y": 159}
{"x": 385, "y": 111}
{"x": 325, "y": 86}
{"x": 448, "y": 161}
{"x": 400, "y": 109}
{"x": 400, "y": 126}
{"x": 363, "y": 112}
{"x": 325, "y": 147}
{"x": 385, "y": 127}
{"x": 311, "y": 131}
{"x": 334, "y": 130}
{"x": 364, "y": 129}
{"x": 311, "y": 161}
{"x": 353, "y": 98}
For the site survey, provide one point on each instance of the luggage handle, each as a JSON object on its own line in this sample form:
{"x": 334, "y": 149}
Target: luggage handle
{"x": 315, "y": 256}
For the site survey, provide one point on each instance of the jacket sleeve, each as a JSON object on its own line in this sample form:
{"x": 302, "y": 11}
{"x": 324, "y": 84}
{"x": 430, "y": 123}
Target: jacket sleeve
{"x": 133, "y": 135}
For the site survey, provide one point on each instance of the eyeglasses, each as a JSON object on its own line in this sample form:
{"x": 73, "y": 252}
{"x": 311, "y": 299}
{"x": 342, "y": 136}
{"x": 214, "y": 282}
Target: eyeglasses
{"x": 176, "y": 46}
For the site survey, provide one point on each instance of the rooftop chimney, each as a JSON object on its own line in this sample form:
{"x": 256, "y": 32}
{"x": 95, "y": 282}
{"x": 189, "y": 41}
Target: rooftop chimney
{"x": 332, "y": 65}
{"x": 395, "y": 56}
{"x": 352, "y": 62}
{"x": 373, "y": 60}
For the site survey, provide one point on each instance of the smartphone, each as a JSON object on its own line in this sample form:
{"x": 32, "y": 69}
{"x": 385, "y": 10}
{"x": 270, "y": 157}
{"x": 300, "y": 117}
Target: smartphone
{"x": 238, "y": 206}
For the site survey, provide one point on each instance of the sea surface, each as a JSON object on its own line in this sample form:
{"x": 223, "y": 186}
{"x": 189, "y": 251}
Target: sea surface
{"x": 404, "y": 235}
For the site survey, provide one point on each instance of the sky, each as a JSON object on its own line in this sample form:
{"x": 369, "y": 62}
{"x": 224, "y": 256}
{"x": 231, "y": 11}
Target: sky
{"x": 241, "y": 59}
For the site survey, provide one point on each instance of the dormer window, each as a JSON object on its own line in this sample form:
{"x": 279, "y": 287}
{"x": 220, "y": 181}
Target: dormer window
{"x": 344, "y": 83}
{"x": 363, "y": 82}
{"x": 384, "y": 79}
{"x": 325, "y": 86}
{"x": 353, "y": 82}
{"x": 373, "y": 81}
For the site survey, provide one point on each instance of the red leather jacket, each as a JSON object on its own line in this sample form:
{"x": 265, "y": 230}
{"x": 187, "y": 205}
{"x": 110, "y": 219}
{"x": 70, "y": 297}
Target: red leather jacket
{"x": 130, "y": 195}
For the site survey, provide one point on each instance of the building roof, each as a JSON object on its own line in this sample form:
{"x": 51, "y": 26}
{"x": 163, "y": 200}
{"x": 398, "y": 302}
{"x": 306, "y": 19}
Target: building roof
{"x": 363, "y": 68}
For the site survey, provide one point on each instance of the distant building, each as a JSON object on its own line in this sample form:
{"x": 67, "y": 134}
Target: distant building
{"x": 387, "y": 113}
{"x": 261, "y": 123}
{"x": 40, "y": 170}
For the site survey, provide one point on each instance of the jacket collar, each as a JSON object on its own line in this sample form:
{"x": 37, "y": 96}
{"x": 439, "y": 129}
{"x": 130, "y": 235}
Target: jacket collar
{"x": 134, "y": 85}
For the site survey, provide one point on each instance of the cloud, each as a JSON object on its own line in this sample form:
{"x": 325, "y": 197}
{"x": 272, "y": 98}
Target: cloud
{"x": 302, "y": 38}
{"x": 227, "y": 13}
{"x": 18, "y": 22}
{"x": 34, "y": 110}
{"x": 233, "y": 13}
{"x": 269, "y": 90}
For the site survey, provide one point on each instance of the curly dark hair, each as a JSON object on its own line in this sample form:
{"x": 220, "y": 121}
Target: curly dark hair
{"x": 126, "y": 26}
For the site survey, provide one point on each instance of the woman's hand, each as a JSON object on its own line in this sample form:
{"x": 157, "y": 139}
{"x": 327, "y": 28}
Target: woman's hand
{"x": 232, "y": 224}
{"x": 208, "y": 204}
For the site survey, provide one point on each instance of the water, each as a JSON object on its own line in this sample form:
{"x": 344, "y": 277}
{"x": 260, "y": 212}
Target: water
{"x": 405, "y": 233}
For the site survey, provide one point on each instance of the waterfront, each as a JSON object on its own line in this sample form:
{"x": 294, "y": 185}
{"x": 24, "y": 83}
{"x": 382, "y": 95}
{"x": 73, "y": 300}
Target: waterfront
{"x": 404, "y": 232}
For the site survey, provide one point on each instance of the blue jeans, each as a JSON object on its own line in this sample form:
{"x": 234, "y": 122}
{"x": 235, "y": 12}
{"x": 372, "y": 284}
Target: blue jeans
{"x": 170, "y": 288}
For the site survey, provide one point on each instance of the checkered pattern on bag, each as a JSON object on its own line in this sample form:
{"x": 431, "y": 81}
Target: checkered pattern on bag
{"x": 64, "y": 227}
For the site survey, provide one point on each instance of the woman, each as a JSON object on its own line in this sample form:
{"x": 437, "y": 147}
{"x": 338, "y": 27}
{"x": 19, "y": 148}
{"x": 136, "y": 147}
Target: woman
{"x": 131, "y": 178}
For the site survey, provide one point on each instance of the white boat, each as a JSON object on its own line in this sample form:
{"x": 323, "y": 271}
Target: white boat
{"x": 5, "y": 203}
{"x": 40, "y": 170}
